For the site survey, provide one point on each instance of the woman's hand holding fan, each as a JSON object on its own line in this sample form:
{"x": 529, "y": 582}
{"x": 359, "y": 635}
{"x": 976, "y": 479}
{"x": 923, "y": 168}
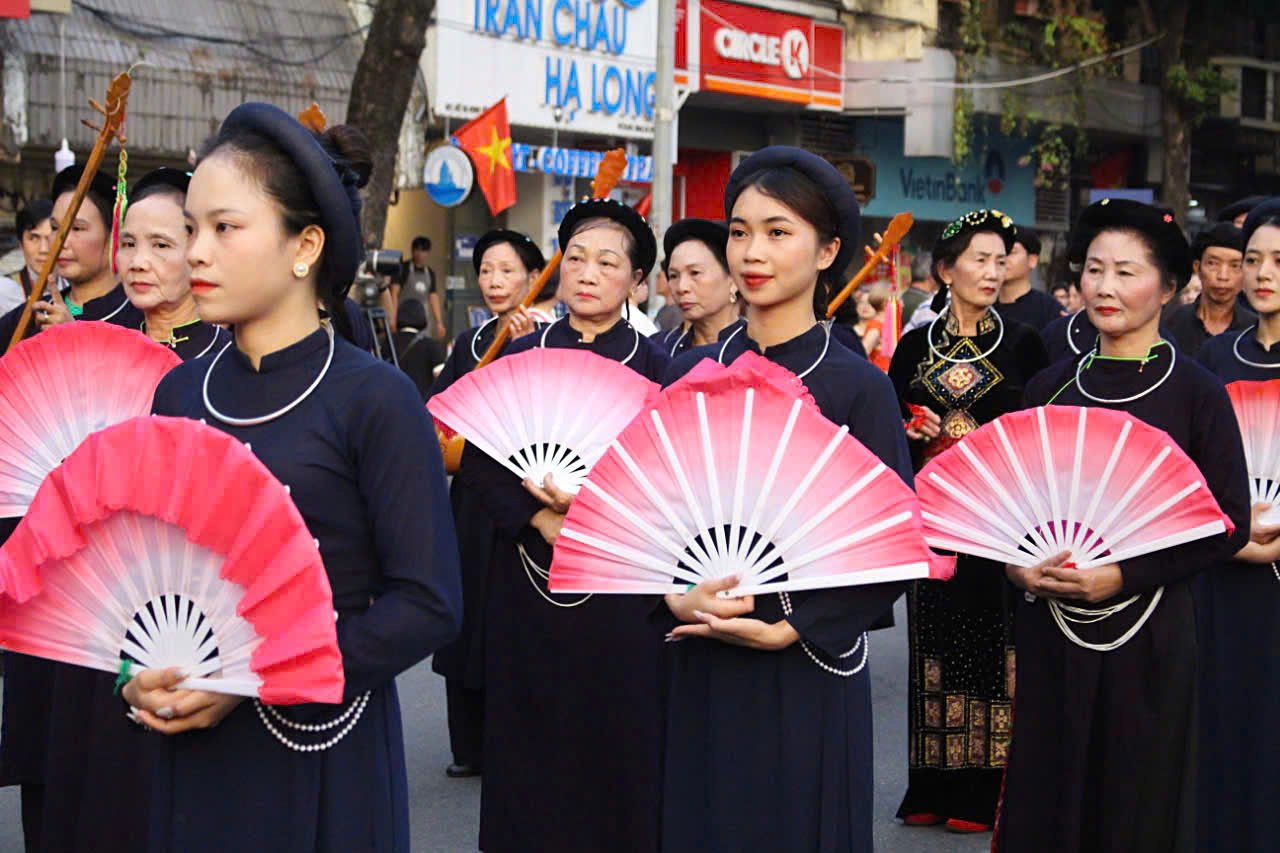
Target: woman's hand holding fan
{"x": 161, "y": 705}
{"x": 1257, "y": 407}
{"x": 1057, "y": 578}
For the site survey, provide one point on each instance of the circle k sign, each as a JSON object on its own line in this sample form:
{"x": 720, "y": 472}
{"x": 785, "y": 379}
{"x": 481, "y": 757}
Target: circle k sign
{"x": 790, "y": 51}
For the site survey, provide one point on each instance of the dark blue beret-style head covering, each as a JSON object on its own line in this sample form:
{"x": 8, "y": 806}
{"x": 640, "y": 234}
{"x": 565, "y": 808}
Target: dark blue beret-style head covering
{"x": 1156, "y": 224}
{"x": 1266, "y": 211}
{"x": 825, "y": 176}
{"x": 334, "y": 184}
{"x": 523, "y": 245}
{"x": 623, "y": 214}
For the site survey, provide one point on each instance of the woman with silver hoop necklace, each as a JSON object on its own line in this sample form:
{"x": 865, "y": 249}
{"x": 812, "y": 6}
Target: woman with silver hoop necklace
{"x": 1238, "y": 602}
{"x": 966, "y": 368}
{"x": 507, "y": 263}
{"x": 1103, "y": 754}
{"x": 572, "y": 716}
{"x": 152, "y": 259}
{"x": 274, "y": 214}
{"x": 700, "y": 284}
{"x": 769, "y": 708}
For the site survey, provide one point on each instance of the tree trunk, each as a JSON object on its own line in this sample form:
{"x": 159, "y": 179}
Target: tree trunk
{"x": 1174, "y": 120}
{"x": 380, "y": 94}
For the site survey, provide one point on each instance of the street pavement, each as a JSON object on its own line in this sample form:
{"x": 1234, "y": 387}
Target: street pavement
{"x": 445, "y": 812}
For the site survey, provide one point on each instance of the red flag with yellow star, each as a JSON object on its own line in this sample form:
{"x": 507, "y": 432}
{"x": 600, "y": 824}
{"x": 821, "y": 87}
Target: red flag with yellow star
{"x": 487, "y": 141}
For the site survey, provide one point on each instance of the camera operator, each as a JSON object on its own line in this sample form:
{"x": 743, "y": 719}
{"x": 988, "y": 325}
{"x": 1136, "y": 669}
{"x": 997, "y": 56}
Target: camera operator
{"x": 419, "y": 351}
{"x": 418, "y": 283}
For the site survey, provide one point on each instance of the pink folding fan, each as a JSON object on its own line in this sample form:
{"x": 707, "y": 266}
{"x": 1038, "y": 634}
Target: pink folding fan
{"x": 1257, "y": 406}
{"x": 545, "y": 411}
{"x": 735, "y": 471}
{"x": 164, "y": 542}
{"x": 1096, "y": 482}
{"x": 63, "y": 384}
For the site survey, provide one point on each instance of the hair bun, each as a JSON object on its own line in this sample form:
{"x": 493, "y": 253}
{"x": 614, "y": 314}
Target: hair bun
{"x": 349, "y": 145}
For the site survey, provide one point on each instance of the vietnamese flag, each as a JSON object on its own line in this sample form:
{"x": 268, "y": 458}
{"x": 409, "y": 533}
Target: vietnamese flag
{"x": 487, "y": 141}
{"x": 15, "y": 8}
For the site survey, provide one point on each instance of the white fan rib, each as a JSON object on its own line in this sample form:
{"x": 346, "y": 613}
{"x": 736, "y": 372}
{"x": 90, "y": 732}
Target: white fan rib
{"x": 1055, "y": 524}
{"x": 827, "y": 549}
{"x": 1074, "y": 497}
{"x": 1123, "y": 503}
{"x": 1029, "y": 493}
{"x": 820, "y": 516}
{"x": 1123, "y": 532}
{"x": 681, "y": 527}
{"x": 1085, "y": 532}
{"x": 766, "y": 487}
{"x": 637, "y": 558}
{"x": 736, "y": 528}
{"x": 682, "y": 480}
{"x": 713, "y": 483}
{"x": 1016, "y": 537}
{"x": 1030, "y": 528}
{"x": 637, "y": 524}
{"x": 784, "y": 512}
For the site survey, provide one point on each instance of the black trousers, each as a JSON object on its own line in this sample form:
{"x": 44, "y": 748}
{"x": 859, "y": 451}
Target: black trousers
{"x": 466, "y": 723}
{"x": 32, "y": 816}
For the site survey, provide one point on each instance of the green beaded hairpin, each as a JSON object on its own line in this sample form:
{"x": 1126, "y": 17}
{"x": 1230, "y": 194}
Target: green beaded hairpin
{"x": 975, "y": 219}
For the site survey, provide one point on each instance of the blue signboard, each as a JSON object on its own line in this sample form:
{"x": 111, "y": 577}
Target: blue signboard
{"x": 934, "y": 188}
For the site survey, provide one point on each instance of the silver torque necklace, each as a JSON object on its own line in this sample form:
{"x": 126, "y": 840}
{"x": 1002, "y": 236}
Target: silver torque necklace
{"x": 542, "y": 341}
{"x": 826, "y": 345}
{"x": 227, "y": 419}
{"x": 1235, "y": 348}
{"x": 1173, "y": 360}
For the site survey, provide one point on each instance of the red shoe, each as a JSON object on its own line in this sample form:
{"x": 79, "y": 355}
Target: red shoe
{"x": 966, "y": 826}
{"x": 924, "y": 819}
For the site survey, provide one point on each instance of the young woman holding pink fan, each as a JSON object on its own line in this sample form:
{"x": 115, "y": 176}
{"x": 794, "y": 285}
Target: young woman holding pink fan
{"x": 769, "y": 709}
{"x": 274, "y": 214}
{"x": 572, "y": 743}
{"x": 1240, "y": 637}
{"x": 1103, "y": 753}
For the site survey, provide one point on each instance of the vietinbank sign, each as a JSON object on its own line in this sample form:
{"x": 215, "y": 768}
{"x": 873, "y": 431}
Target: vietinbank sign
{"x": 580, "y": 65}
{"x": 761, "y": 53}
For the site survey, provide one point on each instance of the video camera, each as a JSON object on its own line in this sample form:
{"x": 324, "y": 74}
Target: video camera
{"x": 372, "y": 276}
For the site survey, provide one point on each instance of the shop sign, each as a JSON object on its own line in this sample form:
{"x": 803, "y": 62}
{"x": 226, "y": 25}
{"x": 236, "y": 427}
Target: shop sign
{"x": 574, "y": 163}
{"x": 762, "y": 53}
{"x": 935, "y": 188}
{"x": 448, "y": 176}
{"x": 580, "y": 65}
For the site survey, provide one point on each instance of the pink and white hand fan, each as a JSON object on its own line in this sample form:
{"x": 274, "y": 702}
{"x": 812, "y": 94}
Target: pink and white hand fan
{"x": 735, "y": 471}
{"x": 545, "y": 411}
{"x": 59, "y": 386}
{"x": 164, "y": 542}
{"x": 1096, "y": 482}
{"x": 1257, "y": 406}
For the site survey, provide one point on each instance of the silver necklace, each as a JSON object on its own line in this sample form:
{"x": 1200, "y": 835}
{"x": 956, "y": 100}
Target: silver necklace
{"x": 679, "y": 340}
{"x": 928, "y": 336}
{"x": 826, "y": 345}
{"x": 1071, "y": 330}
{"x": 1235, "y": 348}
{"x": 476, "y": 336}
{"x": 123, "y": 302}
{"x": 227, "y": 419}
{"x": 542, "y": 341}
{"x": 1173, "y": 359}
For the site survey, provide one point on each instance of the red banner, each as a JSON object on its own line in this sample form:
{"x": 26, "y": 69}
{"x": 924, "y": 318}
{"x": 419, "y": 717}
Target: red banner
{"x": 761, "y": 53}
{"x": 15, "y": 8}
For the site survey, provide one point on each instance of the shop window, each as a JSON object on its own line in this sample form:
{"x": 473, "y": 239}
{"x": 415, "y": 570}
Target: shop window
{"x": 1253, "y": 93}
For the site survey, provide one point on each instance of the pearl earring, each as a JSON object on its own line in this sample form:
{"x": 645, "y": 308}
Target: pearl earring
{"x": 733, "y": 296}
{"x": 300, "y": 269}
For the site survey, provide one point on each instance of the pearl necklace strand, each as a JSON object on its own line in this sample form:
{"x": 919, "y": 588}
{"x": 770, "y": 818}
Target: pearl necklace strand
{"x": 808, "y": 650}
{"x": 227, "y": 419}
{"x": 1064, "y": 613}
{"x": 531, "y": 568}
{"x": 351, "y": 716}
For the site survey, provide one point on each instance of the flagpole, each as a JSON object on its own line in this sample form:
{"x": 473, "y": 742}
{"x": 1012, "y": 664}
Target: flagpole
{"x": 664, "y": 143}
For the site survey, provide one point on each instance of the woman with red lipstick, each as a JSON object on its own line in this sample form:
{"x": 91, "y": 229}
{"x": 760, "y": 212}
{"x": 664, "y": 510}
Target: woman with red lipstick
{"x": 152, "y": 259}
{"x": 1104, "y": 751}
{"x": 700, "y": 284}
{"x": 572, "y": 742}
{"x": 507, "y": 263}
{"x": 769, "y": 710}
{"x": 1239, "y": 634}
{"x": 274, "y": 215}
{"x": 967, "y": 367}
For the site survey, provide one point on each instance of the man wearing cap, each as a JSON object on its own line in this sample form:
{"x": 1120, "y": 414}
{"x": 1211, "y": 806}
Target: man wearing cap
{"x": 1216, "y": 256}
{"x": 85, "y": 263}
